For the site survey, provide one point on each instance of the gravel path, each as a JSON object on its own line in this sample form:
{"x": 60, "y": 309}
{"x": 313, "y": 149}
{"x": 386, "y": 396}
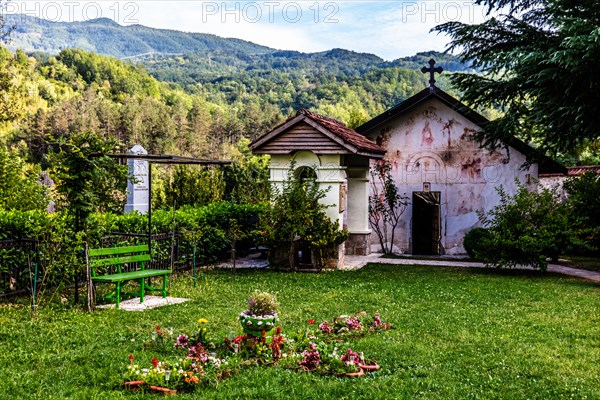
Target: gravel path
{"x": 356, "y": 262}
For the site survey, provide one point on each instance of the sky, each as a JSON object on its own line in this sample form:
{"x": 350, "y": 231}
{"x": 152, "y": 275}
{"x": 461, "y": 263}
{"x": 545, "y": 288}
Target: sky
{"x": 389, "y": 29}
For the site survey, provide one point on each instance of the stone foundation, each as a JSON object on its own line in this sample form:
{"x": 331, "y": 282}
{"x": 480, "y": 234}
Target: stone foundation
{"x": 358, "y": 244}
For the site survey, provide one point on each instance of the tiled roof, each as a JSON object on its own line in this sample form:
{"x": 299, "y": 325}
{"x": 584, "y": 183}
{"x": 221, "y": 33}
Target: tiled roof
{"x": 573, "y": 171}
{"x": 342, "y": 131}
{"x": 583, "y": 169}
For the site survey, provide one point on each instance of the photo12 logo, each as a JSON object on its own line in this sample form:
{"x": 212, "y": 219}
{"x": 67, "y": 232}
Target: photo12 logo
{"x": 122, "y": 12}
{"x": 270, "y": 11}
{"x": 441, "y": 11}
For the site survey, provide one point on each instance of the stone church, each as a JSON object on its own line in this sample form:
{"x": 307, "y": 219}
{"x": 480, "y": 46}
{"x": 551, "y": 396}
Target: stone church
{"x": 428, "y": 139}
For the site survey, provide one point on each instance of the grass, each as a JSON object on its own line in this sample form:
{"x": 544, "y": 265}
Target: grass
{"x": 459, "y": 333}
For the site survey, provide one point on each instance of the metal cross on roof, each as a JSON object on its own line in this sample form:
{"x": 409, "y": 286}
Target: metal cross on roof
{"x": 432, "y": 70}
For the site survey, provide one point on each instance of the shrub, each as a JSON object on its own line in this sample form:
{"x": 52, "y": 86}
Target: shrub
{"x": 477, "y": 242}
{"x": 584, "y": 207}
{"x": 526, "y": 229}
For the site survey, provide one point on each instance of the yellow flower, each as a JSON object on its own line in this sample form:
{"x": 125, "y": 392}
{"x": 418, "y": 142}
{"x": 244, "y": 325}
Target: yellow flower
{"x": 202, "y": 321}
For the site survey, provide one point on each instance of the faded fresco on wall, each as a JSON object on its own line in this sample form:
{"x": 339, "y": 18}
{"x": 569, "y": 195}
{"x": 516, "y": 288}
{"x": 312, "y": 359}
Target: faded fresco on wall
{"x": 433, "y": 143}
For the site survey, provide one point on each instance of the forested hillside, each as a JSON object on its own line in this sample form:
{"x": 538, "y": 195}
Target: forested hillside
{"x": 105, "y": 36}
{"x": 77, "y": 91}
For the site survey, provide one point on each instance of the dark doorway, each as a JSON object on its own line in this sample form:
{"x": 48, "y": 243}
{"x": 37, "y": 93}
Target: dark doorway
{"x": 426, "y": 233}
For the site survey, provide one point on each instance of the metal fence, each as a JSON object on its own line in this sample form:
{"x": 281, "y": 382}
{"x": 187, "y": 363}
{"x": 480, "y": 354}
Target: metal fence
{"x": 21, "y": 269}
{"x": 19, "y": 266}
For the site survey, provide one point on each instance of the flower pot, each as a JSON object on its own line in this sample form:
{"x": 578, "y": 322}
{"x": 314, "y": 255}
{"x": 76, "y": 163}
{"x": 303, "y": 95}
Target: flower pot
{"x": 164, "y": 391}
{"x": 361, "y": 372}
{"x": 372, "y": 366}
{"x": 137, "y": 385}
{"x": 255, "y": 324}
{"x": 134, "y": 385}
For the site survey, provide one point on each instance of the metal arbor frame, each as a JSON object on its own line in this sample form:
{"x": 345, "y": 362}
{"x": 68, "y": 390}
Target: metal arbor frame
{"x": 164, "y": 159}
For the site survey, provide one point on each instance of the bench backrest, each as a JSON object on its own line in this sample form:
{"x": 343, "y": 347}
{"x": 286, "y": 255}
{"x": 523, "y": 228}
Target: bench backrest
{"x": 118, "y": 256}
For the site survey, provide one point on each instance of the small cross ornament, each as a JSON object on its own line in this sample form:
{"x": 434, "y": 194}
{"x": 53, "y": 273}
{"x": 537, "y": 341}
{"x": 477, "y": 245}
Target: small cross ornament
{"x": 432, "y": 70}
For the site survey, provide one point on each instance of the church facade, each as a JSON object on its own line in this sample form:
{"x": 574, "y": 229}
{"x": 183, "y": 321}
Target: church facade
{"x": 445, "y": 173}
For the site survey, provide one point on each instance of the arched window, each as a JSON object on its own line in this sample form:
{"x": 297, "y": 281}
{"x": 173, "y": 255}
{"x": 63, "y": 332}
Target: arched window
{"x": 306, "y": 175}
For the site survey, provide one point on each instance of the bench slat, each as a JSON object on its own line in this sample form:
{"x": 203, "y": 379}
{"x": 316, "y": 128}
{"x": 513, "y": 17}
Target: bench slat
{"x": 110, "y": 251}
{"x": 126, "y": 276}
{"x": 119, "y": 260}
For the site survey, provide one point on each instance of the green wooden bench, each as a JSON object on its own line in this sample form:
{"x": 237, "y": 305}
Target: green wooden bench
{"x": 121, "y": 257}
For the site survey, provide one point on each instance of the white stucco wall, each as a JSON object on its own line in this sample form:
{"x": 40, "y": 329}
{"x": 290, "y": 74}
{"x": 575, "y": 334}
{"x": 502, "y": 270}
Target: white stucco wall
{"x": 432, "y": 143}
{"x": 330, "y": 175}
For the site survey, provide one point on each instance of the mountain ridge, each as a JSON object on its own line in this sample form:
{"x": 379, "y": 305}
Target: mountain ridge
{"x": 105, "y": 36}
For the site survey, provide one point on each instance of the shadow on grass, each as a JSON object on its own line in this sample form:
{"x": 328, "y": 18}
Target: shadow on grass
{"x": 488, "y": 271}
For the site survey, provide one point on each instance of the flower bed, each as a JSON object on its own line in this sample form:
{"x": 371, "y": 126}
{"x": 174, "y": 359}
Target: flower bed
{"x": 190, "y": 360}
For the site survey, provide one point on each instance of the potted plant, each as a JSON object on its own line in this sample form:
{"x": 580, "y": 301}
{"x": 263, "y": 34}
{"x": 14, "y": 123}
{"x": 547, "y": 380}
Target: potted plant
{"x": 261, "y": 314}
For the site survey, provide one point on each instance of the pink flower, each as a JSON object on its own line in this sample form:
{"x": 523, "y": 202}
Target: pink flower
{"x": 353, "y": 324}
{"x": 350, "y": 357}
{"x": 325, "y": 328}
{"x": 311, "y": 358}
{"x": 181, "y": 342}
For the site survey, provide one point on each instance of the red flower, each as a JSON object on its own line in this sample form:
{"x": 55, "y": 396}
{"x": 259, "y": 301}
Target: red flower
{"x": 311, "y": 321}
{"x": 154, "y": 362}
{"x": 157, "y": 328}
{"x": 131, "y": 358}
{"x": 238, "y": 339}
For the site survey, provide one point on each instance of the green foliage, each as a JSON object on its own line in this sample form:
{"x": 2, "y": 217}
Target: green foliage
{"x": 190, "y": 185}
{"x": 262, "y": 303}
{"x": 477, "y": 243}
{"x": 87, "y": 179}
{"x": 20, "y": 186}
{"x": 60, "y": 246}
{"x": 526, "y": 229}
{"x": 211, "y": 102}
{"x": 16, "y": 101}
{"x": 539, "y": 60}
{"x": 297, "y": 214}
{"x": 386, "y": 205}
{"x": 247, "y": 178}
{"x": 584, "y": 208}
{"x": 102, "y": 35}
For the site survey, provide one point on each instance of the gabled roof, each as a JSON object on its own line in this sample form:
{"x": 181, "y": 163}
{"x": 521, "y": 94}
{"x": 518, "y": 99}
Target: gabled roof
{"x": 546, "y": 164}
{"x": 314, "y": 132}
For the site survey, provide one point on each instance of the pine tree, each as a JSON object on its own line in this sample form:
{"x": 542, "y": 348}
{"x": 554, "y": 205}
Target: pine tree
{"x": 539, "y": 64}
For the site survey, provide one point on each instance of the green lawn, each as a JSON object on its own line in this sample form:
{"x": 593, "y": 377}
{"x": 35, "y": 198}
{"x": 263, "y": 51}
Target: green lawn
{"x": 459, "y": 333}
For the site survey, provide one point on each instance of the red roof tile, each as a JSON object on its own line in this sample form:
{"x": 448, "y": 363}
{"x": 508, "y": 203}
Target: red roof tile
{"x": 572, "y": 171}
{"x": 342, "y": 131}
{"x": 583, "y": 169}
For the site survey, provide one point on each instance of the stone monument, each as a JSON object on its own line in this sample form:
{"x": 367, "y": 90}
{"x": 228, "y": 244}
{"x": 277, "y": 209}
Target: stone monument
{"x": 138, "y": 189}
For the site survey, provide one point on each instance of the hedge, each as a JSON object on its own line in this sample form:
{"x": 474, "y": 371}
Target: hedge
{"x": 60, "y": 248}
